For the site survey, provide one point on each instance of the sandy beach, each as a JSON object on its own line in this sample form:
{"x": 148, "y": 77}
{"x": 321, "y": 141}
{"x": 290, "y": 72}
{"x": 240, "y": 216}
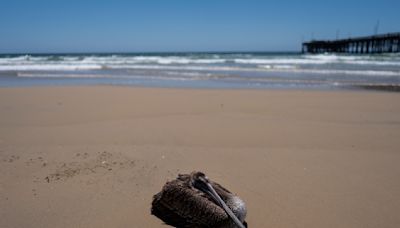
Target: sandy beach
{"x": 95, "y": 156}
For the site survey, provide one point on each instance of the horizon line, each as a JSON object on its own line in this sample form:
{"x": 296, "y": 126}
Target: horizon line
{"x": 142, "y": 52}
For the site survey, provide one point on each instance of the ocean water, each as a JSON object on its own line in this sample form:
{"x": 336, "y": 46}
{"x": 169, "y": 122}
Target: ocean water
{"x": 203, "y": 70}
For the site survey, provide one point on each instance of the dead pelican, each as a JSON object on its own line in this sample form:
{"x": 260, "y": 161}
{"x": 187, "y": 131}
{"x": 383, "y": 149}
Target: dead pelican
{"x": 192, "y": 200}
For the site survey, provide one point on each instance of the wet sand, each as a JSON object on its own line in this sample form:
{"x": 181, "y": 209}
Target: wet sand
{"x": 94, "y": 156}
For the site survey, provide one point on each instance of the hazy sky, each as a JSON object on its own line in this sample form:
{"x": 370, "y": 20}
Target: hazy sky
{"x": 185, "y": 25}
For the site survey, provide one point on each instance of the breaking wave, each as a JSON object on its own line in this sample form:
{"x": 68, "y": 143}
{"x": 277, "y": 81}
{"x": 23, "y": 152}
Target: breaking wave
{"x": 213, "y": 67}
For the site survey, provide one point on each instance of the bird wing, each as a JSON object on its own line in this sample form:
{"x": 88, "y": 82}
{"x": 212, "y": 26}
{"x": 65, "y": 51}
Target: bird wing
{"x": 180, "y": 205}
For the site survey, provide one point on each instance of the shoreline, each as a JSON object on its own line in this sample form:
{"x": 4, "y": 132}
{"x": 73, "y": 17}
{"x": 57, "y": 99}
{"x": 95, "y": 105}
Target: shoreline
{"x": 93, "y": 156}
{"x": 387, "y": 88}
{"x": 345, "y": 88}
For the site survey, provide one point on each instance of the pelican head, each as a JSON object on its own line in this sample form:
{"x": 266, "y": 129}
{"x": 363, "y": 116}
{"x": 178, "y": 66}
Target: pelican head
{"x": 200, "y": 181}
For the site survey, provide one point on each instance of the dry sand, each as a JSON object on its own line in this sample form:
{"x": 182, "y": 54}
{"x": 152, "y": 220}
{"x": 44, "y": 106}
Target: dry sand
{"x": 94, "y": 156}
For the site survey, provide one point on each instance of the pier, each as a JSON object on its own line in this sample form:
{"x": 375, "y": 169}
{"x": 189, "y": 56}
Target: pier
{"x": 384, "y": 43}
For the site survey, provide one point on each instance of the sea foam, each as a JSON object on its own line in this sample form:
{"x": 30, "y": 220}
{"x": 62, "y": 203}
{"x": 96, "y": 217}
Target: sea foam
{"x": 223, "y": 68}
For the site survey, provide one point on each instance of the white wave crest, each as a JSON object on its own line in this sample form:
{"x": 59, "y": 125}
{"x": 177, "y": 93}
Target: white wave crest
{"x": 332, "y": 71}
{"x": 49, "y": 67}
{"x": 121, "y": 60}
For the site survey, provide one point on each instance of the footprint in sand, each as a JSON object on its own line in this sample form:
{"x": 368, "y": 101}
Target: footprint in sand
{"x": 103, "y": 162}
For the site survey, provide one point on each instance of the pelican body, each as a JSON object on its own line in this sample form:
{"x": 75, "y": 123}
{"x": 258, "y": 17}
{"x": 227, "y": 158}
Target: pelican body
{"x": 193, "y": 201}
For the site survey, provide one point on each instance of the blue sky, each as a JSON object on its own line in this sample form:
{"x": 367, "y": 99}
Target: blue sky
{"x": 28, "y": 26}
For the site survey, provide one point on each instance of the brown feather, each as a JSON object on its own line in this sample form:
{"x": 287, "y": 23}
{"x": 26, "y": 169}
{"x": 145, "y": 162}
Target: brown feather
{"x": 181, "y": 205}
